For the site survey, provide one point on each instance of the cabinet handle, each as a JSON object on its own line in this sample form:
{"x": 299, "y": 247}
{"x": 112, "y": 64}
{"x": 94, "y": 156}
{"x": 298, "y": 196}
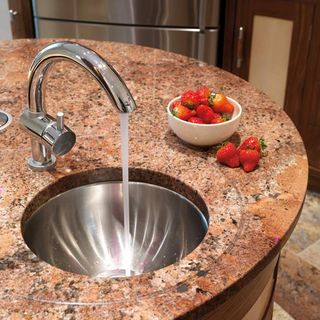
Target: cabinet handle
{"x": 13, "y": 13}
{"x": 240, "y": 47}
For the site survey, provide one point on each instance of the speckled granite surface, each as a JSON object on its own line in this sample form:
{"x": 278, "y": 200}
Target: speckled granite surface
{"x": 251, "y": 215}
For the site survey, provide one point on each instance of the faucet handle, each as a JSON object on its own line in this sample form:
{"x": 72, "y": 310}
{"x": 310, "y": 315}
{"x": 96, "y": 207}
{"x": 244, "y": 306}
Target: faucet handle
{"x": 60, "y": 121}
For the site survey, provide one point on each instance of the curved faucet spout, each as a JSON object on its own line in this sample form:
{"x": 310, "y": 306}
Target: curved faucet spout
{"x": 103, "y": 72}
{"x": 49, "y": 136}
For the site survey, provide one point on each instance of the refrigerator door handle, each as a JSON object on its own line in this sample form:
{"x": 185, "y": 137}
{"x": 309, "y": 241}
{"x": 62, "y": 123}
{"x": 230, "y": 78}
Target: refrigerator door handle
{"x": 240, "y": 48}
{"x": 210, "y": 44}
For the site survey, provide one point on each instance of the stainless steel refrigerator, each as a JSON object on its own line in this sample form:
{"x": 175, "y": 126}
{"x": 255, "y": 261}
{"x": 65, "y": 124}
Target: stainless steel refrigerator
{"x": 189, "y": 27}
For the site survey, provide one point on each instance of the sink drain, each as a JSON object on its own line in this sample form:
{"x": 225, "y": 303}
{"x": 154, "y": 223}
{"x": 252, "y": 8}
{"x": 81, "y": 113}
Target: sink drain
{"x": 118, "y": 273}
{"x": 5, "y": 119}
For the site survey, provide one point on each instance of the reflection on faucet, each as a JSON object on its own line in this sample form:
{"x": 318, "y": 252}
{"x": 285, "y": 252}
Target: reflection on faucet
{"x": 49, "y": 136}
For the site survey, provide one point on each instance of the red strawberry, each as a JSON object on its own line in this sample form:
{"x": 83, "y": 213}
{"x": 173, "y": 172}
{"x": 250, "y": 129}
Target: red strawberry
{"x": 205, "y": 113}
{"x": 217, "y": 120}
{"x": 228, "y": 155}
{"x": 217, "y": 115}
{"x": 190, "y": 99}
{"x": 182, "y": 112}
{"x": 220, "y": 103}
{"x": 253, "y": 143}
{"x": 249, "y": 159}
{"x": 203, "y": 95}
{"x": 196, "y": 120}
{"x": 176, "y": 103}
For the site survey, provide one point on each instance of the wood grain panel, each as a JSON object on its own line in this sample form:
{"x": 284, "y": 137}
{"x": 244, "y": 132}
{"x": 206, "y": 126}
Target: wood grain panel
{"x": 309, "y": 114}
{"x": 22, "y": 22}
{"x": 228, "y": 37}
{"x": 253, "y": 301}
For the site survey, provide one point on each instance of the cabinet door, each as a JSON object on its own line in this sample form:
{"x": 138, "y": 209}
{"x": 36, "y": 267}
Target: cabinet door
{"x": 21, "y": 19}
{"x": 310, "y": 109}
{"x": 269, "y": 44}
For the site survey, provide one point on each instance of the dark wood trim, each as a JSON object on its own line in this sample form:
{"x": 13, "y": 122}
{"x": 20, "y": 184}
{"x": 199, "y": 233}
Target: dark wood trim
{"x": 238, "y": 305}
{"x": 228, "y": 39}
{"x": 269, "y": 314}
{"x": 22, "y": 22}
{"x": 314, "y": 179}
{"x": 242, "y": 20}
{"x": 269, "y": 310}
{"x": 309, "y": 125}
{"x": 300, "y": 49}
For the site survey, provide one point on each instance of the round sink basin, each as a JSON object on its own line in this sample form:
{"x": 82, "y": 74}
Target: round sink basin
{"x": 82, "y": 230}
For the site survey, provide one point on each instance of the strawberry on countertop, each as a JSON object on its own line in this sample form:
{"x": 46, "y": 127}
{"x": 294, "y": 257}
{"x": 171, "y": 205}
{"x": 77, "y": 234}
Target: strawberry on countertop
{"x": 249, "y": 158}
{"x": 253, "y": 143}
{"x": 228, "y": 155}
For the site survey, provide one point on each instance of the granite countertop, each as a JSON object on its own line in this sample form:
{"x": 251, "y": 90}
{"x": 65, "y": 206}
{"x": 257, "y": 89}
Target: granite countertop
{"x": 251, "y": 214}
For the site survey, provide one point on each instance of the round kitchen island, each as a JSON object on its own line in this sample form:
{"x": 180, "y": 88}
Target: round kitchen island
{"x": 232, "y": 273}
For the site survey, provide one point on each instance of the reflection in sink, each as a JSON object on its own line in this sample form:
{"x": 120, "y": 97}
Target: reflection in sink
{"x": 81, "y": 230}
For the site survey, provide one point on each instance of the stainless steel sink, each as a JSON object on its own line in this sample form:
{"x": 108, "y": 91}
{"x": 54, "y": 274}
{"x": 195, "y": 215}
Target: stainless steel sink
{"x": 81, "y": 230}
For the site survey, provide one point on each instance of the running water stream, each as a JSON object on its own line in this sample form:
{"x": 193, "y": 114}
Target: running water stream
{"x": 124, "y": 117}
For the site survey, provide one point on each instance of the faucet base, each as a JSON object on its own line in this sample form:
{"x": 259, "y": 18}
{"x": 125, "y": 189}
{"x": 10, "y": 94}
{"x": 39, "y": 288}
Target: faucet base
{"x": 38, "y": 166}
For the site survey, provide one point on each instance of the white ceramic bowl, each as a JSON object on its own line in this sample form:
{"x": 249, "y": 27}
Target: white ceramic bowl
{"x": 204, "y": 135}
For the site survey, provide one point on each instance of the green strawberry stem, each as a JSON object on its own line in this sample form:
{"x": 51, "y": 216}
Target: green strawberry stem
{"x": 211, "y": 97}
{"x": 262, "y": 142}
{"x": 220, "y": 145}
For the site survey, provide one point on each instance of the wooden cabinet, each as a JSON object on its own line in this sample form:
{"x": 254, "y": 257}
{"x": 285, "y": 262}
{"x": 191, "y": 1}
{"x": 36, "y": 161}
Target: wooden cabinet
{"x": 21, "y": 19}
{"x": 275, "y": 45}
{"x": 309, "y": 113}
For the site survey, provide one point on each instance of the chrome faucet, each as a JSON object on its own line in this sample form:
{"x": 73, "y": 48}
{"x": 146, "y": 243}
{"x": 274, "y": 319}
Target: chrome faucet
{"x": 49, "y": 136}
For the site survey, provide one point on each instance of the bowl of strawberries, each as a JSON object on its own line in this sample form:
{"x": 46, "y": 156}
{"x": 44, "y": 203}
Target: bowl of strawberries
{"x": 202, "y": 117}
